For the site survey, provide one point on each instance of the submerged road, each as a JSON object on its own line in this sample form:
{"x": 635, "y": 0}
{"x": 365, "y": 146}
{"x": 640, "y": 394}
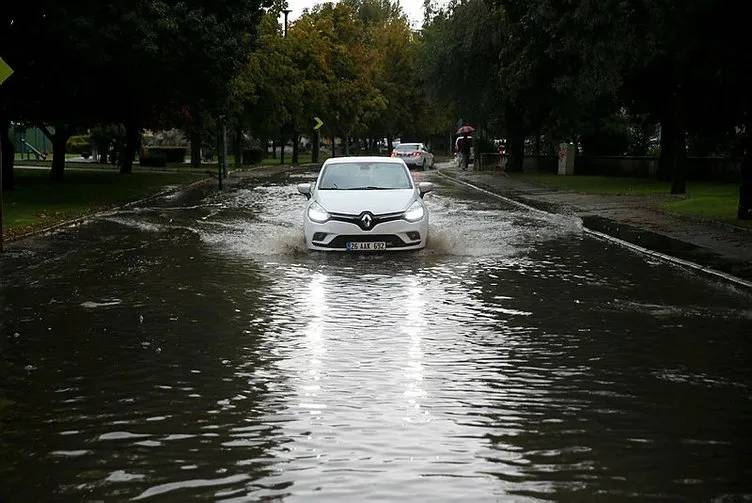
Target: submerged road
{"x": 192, "y": 349}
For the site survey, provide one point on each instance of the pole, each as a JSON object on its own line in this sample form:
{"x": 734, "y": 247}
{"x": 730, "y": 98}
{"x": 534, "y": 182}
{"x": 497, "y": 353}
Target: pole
{"x": 286, "y": 11}
{"x": 1, "y": 195}
{"x": 224, "y": 148}
{"x": 316, "y": 146}
{"x": 220, "y": 154}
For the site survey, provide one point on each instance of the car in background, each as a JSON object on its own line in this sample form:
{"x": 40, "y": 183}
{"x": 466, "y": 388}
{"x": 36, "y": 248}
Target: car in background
{"x": 365, "y": 204}
{"x": 414, "y": 154}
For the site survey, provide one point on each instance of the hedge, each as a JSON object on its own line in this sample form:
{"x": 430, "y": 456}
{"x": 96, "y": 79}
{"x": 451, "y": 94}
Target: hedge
{"x": 171, "y": 154}
{"x": 79, "y": 144}
{"x": 153, "y": 160}
{"x": 252, "y": 156}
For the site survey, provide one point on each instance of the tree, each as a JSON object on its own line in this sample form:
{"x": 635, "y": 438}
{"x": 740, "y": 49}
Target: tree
{"x": 79, "y": 62}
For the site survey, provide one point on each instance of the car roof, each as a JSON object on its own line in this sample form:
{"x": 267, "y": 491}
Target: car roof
{"x": 341, "y": 160}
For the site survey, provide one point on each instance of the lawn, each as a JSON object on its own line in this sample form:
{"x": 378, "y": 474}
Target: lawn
{"x": 598, "y": 184}
{"x": 38, "y": 202}
{"x": 707, "y": 200}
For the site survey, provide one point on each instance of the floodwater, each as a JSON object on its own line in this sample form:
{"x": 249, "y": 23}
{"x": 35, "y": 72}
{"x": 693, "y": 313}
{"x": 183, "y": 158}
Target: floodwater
{"x": 192, "y": 349}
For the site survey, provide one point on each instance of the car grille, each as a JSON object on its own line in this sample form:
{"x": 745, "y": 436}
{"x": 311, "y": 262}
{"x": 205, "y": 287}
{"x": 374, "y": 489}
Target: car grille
{"x": 374, "y": 219}
{"x": 391, "y": 240}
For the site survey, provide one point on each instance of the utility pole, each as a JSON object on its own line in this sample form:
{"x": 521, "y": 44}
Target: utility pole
{"x": 5, "y": 72}
{"x": 283, "y": 140}
{"x": 1, "y": 195}
{"x": 286, "y": 12}
{"x": 221, "y": 151}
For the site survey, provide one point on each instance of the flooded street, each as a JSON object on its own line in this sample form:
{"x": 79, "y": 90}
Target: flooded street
{"x": 191, "y": 349}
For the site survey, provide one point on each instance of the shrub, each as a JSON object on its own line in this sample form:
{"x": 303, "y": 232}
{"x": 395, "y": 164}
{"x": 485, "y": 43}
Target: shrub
{"x": 157, "y": 160}
{"x": 252, "y": 155}
{"x": 79, "y": 144}
{"x": 170, "y": 154}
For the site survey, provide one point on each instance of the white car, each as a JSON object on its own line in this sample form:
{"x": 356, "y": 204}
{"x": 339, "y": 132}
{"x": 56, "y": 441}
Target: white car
{"x": 365, "y": 203}
{"x": 414, "y": 154}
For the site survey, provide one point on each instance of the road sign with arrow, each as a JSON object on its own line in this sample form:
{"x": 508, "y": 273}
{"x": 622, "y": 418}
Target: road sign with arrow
{"x": 318, "y": 125}
{"x": 5, "y": 70}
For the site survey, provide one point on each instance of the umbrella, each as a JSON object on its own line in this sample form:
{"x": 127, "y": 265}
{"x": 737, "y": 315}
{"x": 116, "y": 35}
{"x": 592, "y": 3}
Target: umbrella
{"x": 465, "y": 130}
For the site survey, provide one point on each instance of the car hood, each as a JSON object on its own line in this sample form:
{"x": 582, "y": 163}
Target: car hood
{"x": 354, "y": 202}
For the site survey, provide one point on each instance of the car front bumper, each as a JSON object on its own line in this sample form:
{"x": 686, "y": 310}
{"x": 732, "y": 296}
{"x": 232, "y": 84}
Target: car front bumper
{"x": 397, "y": 234}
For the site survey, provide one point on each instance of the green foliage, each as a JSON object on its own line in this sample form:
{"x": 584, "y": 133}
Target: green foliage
{"x": 353, "y": 64}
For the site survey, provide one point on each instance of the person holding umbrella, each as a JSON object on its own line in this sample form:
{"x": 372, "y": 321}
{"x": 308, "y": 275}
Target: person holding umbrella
{"x": 464, "y": 145}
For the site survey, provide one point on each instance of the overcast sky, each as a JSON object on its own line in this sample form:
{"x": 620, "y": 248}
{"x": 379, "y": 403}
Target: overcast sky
{"x": 413, "y": 9}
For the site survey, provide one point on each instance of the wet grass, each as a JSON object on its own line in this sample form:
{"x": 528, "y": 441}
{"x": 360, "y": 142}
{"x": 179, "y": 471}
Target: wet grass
{"x": 38, "y": 202}
{"x": 598, "y": 184}
{"x": 717, "y": 201}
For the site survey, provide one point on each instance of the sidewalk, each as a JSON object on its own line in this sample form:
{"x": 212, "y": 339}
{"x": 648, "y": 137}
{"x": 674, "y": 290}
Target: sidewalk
{"x": 632, "y": 218}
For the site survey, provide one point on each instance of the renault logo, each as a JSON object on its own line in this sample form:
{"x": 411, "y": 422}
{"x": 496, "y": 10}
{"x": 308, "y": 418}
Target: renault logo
{"x": 366, "y": 220}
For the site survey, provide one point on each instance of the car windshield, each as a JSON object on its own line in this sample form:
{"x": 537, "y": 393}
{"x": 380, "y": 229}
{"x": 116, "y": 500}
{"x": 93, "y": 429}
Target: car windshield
{"x": 364, "y": 176}
{"x": 406, "y": 147}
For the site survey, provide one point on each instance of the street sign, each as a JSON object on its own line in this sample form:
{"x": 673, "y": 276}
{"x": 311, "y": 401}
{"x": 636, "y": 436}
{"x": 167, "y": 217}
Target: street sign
{"x": 318, "y": 125}
{"x": 5, "y": 70}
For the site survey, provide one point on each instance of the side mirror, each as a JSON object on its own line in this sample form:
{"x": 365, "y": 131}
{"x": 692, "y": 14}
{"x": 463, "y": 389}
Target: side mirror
{"x": 305, "y": 189}
{"x": 424, "y": 188}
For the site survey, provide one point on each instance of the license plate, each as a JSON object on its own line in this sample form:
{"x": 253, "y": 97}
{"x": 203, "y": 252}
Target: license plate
{"x": 367, "y": 245}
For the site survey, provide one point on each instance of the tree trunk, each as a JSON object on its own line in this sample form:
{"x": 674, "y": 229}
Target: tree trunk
{"x": 195, "y": 148}
{"x": 516, "y": 150}
{"x": 8, "y": 154}
{"x": 672, "y": 162}
{"x": 678, "y": 148}
{"x": 282, "y": 150}
{"x": 274, "y": 149}
{"x": 295, "y": 142}
{"x": 745, "y": 189}
{"x": 346, "y": 148}
{"x": 334, "y": 149}
{"x": 516, "y": 139}
{"x": 238, "y": 146}
{"x": 389, "y": 144}
{"x": 132, "y": 141}
{"x": 59, "y": 139}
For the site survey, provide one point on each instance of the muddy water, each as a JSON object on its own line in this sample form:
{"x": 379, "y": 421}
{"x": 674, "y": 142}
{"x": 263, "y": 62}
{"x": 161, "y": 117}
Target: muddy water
{"x": 193, "y": 350}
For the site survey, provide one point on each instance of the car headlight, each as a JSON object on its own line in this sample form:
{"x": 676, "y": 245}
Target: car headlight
{"x": 415, "y": 212}
{"x": 317, "y": 213}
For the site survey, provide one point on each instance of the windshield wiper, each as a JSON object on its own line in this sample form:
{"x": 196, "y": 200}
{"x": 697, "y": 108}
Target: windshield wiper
{"x": 371, "y": 187}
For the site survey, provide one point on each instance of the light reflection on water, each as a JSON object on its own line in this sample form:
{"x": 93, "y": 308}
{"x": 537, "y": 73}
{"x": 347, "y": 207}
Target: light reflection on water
{"x": 165, "y": 353}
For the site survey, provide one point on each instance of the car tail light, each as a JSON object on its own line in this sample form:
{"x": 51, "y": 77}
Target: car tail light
{"x": 416, "y": 154}
{"x": 394, "y": 153}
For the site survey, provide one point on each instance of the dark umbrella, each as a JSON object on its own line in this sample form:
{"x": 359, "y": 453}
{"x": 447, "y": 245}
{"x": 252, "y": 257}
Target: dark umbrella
{"x": 465, "y": 130}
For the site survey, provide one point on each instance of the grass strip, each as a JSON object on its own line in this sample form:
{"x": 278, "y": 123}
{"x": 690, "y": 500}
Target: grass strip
{"x": 706, "y": 200}
{"x": 38, "y": 202}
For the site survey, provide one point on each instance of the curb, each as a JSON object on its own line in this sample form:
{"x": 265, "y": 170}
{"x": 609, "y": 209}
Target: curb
{"x": 669, "y": 259}
{"x": 85, "y": 218}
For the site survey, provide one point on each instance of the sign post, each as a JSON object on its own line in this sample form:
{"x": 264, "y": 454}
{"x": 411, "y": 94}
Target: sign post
{"x": 5, "y": 72}
{"x": 317, "y": 139}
